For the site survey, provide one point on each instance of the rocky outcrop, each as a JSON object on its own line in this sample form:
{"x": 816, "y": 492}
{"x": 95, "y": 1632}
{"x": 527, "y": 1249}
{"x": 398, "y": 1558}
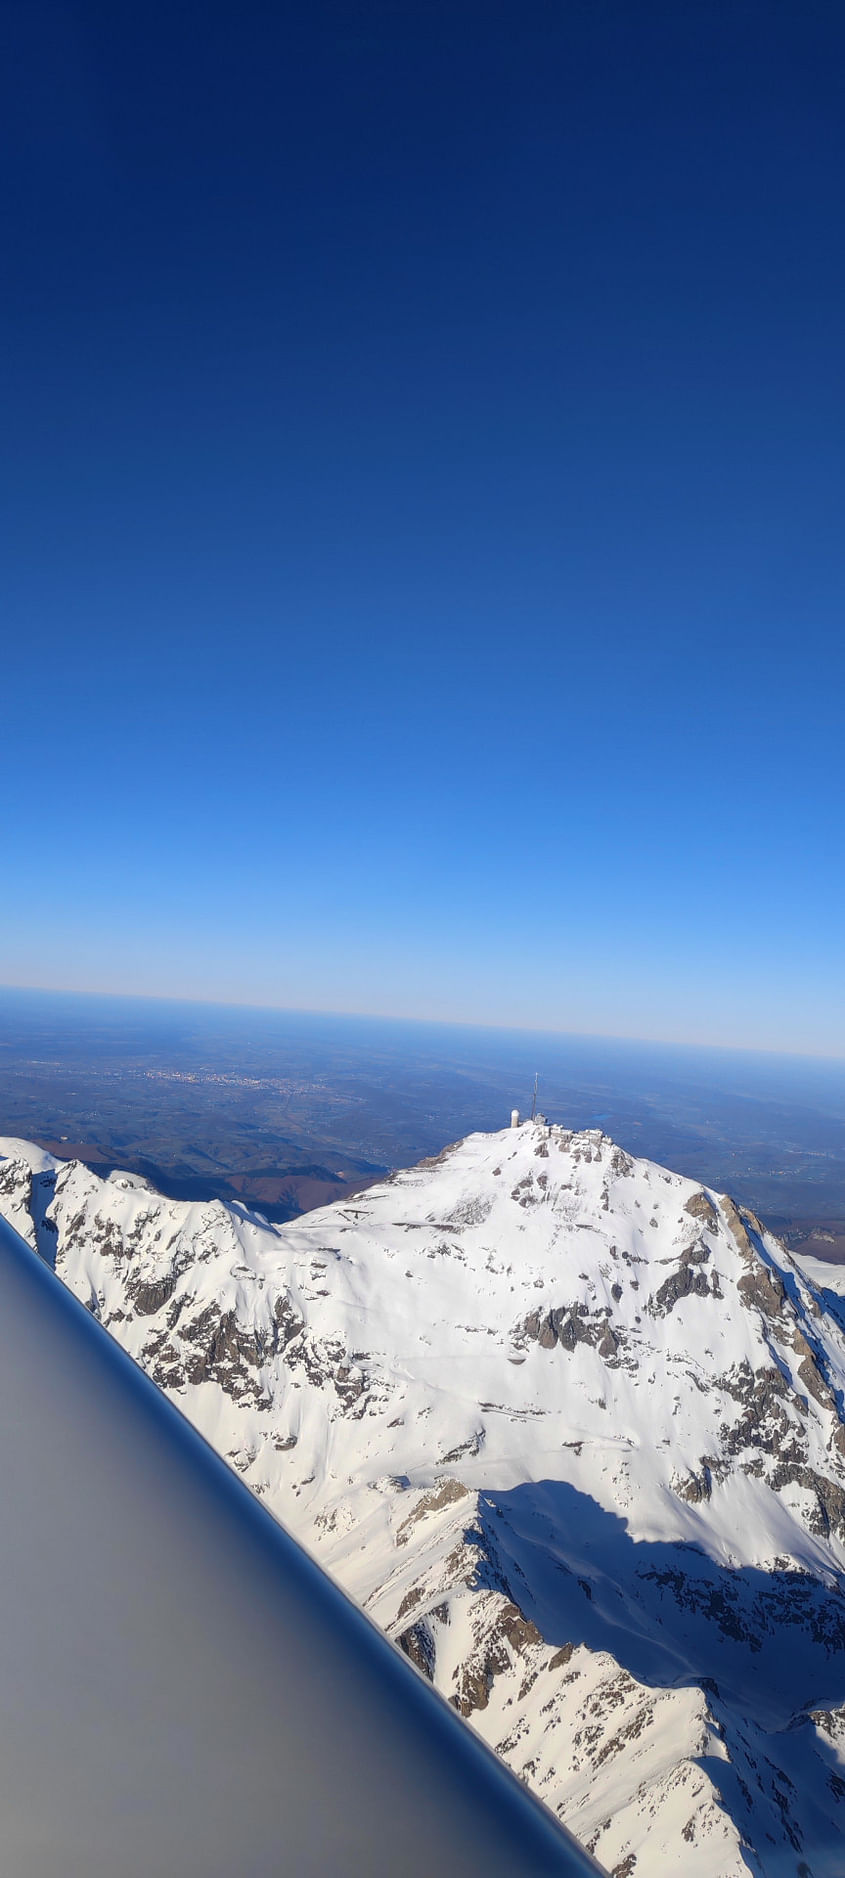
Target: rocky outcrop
{"x": 690, "y": 1277}
{"x": 700, "y": 1207}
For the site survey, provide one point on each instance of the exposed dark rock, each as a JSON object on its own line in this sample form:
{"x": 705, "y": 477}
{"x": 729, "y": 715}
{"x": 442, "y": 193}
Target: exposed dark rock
{"x": 226, "y": 1354}
{"x": 148, "y": 1298}
{"x": 519, "y": 1630}
{"x": 830, "y": 1498}
{"x": 446, "y": 1494}
{"x": 349, "y": 1383}
{"x": 737, "y": 1227}
{"x": 509, "y": 1632}
{"x": 696, "y": 1488}
{"x": 765, "y": 1423}
{"x": 410, "y": 1601}
{"x": 418, "y": 1645}
{"x": 687, "y": 1279}
{"x": 15, "y": 1176}
{"x": 762, "y": 1288}
{"x": 814, "y": 1382}
{"x": 608, "y": 1344}
{"x": 561, "y": 1657}
{"x": 573, "y": 1324}
{"x": 287, "y": 1320}
{"x": 700, "y": 1207}
{"x": 473, "y": 1446}
{"x": 163, "y": 1361}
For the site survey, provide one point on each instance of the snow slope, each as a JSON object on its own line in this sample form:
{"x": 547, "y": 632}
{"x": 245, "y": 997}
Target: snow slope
{"x": 570, "y": 1427}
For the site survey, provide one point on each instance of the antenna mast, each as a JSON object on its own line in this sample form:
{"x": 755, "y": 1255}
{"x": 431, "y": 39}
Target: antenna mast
{"x": 534, "y": 1099}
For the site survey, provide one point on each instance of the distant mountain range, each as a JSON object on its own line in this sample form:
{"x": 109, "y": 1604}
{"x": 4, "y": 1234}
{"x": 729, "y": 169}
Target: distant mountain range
{"x": 569, "y": 1426}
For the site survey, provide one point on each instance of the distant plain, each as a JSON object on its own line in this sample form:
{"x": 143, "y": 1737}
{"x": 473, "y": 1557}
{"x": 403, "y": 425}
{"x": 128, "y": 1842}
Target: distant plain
{"x": 283, "y": 1111}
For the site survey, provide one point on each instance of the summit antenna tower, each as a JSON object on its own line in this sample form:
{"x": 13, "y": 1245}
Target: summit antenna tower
{"x": 534, "y": 1097}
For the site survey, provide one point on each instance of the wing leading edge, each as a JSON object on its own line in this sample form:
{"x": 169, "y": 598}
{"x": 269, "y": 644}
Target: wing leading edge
{"x": 183, "y": 1692}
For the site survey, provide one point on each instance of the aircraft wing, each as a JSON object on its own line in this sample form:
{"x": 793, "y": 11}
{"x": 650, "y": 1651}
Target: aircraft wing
{"x": 183, "y": 1692}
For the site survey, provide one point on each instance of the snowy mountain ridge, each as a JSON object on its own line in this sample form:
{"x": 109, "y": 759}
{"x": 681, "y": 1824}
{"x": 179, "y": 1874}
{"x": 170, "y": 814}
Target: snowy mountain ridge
{"x": 571, "y": 1427}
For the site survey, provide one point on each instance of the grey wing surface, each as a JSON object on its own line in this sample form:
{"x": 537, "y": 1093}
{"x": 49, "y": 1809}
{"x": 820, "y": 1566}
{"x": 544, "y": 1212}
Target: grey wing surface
{"x": 183, "y": 1692}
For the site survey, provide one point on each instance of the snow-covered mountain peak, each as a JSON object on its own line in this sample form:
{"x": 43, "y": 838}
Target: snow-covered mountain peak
{"x": 570, "y": 1426}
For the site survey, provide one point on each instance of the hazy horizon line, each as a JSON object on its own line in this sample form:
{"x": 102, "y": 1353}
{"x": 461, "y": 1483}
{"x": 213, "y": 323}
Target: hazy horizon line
{"x": 432, "y": 1023}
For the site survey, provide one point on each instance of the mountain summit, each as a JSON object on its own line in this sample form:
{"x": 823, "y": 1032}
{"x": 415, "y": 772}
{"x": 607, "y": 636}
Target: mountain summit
{"x": 570, "y": 1427}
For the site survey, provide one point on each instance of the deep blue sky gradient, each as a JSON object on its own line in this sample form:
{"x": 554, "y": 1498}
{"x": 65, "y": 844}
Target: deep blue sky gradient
{"x": 422, "y": 476}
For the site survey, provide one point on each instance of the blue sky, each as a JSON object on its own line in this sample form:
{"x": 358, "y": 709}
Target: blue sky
{"x": 422, "y": 469}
